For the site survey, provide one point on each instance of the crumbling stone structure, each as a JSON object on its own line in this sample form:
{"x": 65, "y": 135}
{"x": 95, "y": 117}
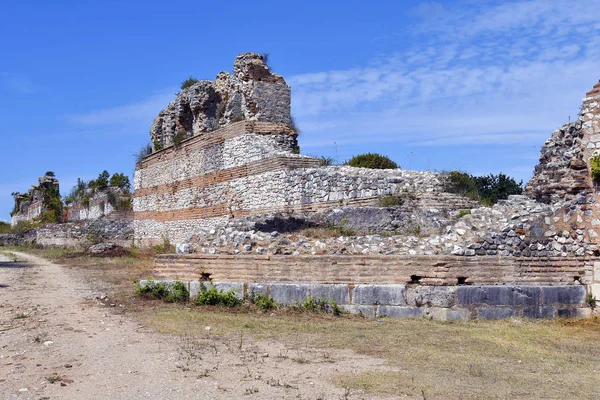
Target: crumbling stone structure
{"x": 112, "y": 202}
{"x": 31, "y": 205}
{"x": 233, "y": 188}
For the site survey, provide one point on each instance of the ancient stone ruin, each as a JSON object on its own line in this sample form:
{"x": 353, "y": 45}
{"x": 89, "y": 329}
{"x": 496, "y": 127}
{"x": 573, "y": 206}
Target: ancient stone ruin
{"x": 31, "y": 205}
{"x": 227, "y": 184}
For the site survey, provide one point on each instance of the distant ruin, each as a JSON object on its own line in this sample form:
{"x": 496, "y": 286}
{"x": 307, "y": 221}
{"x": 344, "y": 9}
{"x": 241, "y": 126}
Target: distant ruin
{"x": 38, "y": 201}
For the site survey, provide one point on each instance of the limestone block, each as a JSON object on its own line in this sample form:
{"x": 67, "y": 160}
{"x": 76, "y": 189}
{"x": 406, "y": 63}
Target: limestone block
{"x": 379, "y": 294}
{"x": 563, "y": 294}
{"x": 400, "y": 311}
{"x": 340, "y": 293}
{"x": 448, "y": 314}
{"x": 289, "y": 293}
{"x": 545, "y": 312}
{"x": 227, "y": 286}
{"x": 495, "y": 312}
{"x": 499, "y": 295}
{"x": 368, "y": 311}
{"x": 434, "y": 296}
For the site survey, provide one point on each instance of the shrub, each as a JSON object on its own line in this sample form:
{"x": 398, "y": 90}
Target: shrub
{"x": 325, "y": 161}
{"x": 101, "y": 182}
{"x": 397, "y": 200}
{"x": 595, "y": 168}
{"x": 263, "y": 302}
{"x": 158, "y": 146}
{"x": 176, "y": 293}
{"x": 179, "y": 137}
{"x": 212, "y": 296}
{"x": 4, "y": 227}
{"x": 165, "y": 247}
{"x": 312, "y": 304}
{"x": 144, "y": 151}
{"x": 49, "y": 173}
{"x": 189, "y": 82}
{"x": 371, "y": 160}
{"x": 591, "y": 300}
{"x": 294, "y": 126}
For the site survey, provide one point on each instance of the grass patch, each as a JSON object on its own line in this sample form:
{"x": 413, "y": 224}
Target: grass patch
{"x": 175, "y": 293}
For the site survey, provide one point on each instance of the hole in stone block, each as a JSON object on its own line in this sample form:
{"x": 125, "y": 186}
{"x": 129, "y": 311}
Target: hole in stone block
{"x": 205, "y": 277}
{"x": 415, "y": 279}
{"x": 462, "y": 280}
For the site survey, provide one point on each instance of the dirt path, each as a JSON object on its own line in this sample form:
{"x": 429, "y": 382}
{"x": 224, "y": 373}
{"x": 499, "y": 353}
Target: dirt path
{"x": 58, "y": 342}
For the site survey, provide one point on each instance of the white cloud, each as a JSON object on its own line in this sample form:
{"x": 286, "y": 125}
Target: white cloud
{"x": 488, "y": 73}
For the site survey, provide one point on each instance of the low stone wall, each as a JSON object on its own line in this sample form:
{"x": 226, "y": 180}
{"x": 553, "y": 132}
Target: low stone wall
{"x": 428, "y": 270}
{"x": 80, "y": 235}
{"x": 414, "y": 301}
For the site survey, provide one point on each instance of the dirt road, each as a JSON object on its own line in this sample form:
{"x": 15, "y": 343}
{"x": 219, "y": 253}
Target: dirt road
{"x": 57, "y": 341}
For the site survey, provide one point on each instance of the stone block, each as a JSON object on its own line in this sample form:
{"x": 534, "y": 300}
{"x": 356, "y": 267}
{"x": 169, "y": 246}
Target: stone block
{"x": 289, "y": 293}
{"x": 340, "y": 293}
{"x": 227, "y": 286}
{"x": 400, "y": 311}
{"x": 194, "y": 288}
{"x": 448, "y": 314}
{"x": 499, "y": 295}
{"x": 563, "y": 294}
{"x": 433, "y": 296}
{"x": 595, "y": 290}
{"x": 495, "y": 312}
{"x": 392, "y": 295}
{"x": 256, "y": 288}
{"x": 569, "y": 312}
{"x": 546, "y": 312}
{"x": 367, "y": 311}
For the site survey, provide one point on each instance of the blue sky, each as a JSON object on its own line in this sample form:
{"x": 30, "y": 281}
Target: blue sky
{"x": 440, "y": 85}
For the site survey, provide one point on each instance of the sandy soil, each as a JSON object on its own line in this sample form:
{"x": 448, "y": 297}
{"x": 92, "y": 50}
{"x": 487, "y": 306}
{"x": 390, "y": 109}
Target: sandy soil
{"x": 59, "y": 340}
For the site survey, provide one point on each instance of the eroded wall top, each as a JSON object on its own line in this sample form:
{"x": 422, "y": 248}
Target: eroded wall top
{"x": 251, "y": 93}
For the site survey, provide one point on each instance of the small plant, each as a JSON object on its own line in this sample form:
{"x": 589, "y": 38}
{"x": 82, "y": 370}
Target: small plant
{"x": 595, "y": 168}
{"x": 176, "y": 293}
{"x": 371, "y": 160}
{"x": 20, "y": 316}
{"x": 296, "y": 149}
{"x": 165, "y": 247}
{"x": 462, "y": 213}
{"x": 263, "y": 302}
{"x": 312, "y": 304}
{"x": 591, "y": 300}
{"x": 189, "y": 82}
{"x": 212, "y": 296}
{"x": 343, "y": 230}
{"x": 158, "y": 146}
{"x": 326, "y": 161}
{"x": 179, "y": 136}
{"x": 144, "y": 151}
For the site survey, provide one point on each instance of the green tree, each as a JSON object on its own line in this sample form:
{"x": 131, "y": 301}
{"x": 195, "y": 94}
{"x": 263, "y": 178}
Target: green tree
{"x": 488, "y": 188}
{"x": 101, "y": 182}
{"x": 371, "y": 160}
{"x": 49, "y": 173}
{"x": 120, "y": 180}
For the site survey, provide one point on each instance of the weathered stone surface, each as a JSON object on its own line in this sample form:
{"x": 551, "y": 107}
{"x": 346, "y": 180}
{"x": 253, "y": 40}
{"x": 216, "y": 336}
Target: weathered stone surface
{"x": 546, "y": 312}
{"x": 367, "y": 311}
{"x": 400, "y": 311}
{"x": 563, "y": 294}
{"x": 433, "y": 296}
{"x": 499, "y": 295}
{"x": 289, "y": 293}
{"x": 251, "y": 93}
{"x": 339, "y": 293}
{"x": 392, "y": 295}
{"x": 495, "y": 312}
{"x": 237, "y": 287}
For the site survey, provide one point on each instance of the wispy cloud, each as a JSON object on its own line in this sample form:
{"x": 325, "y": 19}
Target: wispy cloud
{"x": 484, "y": 73}
{"x": 17, "y": 83}
{"x": 138, "y": 112}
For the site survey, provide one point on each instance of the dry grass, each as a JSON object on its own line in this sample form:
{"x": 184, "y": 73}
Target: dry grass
{"x": 423, "y": 358}
{"x": 318, "y": 233}
{"x": 490, "y": 359}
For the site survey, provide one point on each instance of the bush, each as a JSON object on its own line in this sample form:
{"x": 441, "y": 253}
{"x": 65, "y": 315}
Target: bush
{"x": 176, "y": 293}
{"x": 101, "y": 182}
{"x": 371, "y": 160}
{"x": 4, "y": 227}
{"x": 462, "y": 213}
{"x": 212, "y": 296}
{"x": 179, "y": 137}
{"x": 263, "y": 302}
{"x": 312, "y": 304}
{"x": 165, "y": 247}
{"x": 49, "y": 173}
{"x": 326, "y": 161}
{"x": 189, "y": 82}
